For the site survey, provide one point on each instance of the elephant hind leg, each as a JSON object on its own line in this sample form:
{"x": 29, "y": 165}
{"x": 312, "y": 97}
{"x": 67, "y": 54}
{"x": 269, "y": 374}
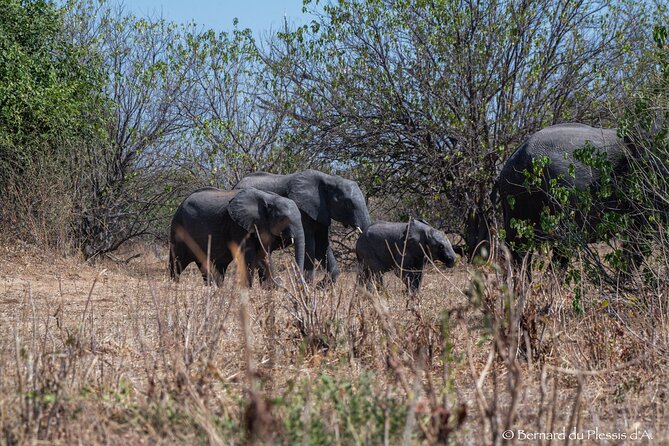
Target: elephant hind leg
{"x": 174, "y": 266}
{"x": 364, "y": 276}
{"x": 309, "y": 256}
{"x": 331, "y": 264}
{"x": 221, "y": 268}
{"x": 560, "y": 260}
{"x": 251, "y": 260}
{"x": 264, "y": 273}
{"x": 377, "y": 280}
{"x": 210, "y": 273}
{"x": 178, "y": 261}
{"x": 370, "y": 279}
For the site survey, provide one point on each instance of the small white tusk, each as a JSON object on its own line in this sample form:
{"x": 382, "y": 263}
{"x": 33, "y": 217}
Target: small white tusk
{"x": 292, "y": 240}
{"x": 359, "y": 230}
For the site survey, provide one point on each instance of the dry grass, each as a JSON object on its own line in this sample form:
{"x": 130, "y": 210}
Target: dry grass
{"x": 116, "y": 354}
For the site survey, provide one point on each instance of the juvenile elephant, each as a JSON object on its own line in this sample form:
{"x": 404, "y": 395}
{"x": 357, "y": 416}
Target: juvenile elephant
{"x": 526, "y": 202}
{"x": 210, "y": 221}
{"x": 402, "y": 247}
{"x": 320, "y": 198}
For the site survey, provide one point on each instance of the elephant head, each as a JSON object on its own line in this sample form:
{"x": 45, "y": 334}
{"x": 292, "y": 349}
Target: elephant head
{"x": 422, "y": 237}
{"x": 324, "y": 197}
{"x": 272, "y": 216}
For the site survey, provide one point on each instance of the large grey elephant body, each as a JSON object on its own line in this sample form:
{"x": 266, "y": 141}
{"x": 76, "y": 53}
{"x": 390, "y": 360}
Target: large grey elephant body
{"x": 211, "y": 222}
{"x": 320, "y": 198}
{"x": 522, "y": 200}
{"x": 402, "y": 247}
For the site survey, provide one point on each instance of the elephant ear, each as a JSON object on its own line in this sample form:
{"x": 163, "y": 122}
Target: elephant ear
{"x": 415, "y": 233}
{"x": 247, "y": 209}
{"x": 309, "y": 192}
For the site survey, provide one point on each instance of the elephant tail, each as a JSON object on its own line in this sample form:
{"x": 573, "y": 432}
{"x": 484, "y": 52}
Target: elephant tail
{"x": 172, "y": 265}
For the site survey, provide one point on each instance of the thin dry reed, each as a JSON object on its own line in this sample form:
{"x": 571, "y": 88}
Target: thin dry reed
{"x": 115, "y": 353}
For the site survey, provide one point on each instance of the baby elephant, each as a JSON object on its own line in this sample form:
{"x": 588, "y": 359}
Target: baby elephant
{"x": 402, "y": 247}
{"x": 210, "y": 222}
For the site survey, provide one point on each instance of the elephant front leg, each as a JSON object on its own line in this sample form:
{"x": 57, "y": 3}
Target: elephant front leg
{"x": 309, "y": 255}
{"x": 266, "y": 273}
{"x": 209, "y": 273}
{"x": 376, "y": 283}
{"x": 325, "y": 256}
{"x": 251, "y": 262}
{"x": 332, "y": 266}
{"x": 560, "y": 260}
{"x": 364, "y": 277}
{"x": 412, "y": 280}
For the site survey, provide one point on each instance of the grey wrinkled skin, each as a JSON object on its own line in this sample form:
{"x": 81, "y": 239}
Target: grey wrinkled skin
{"x": 558, "y": 143}
{"x": 403, "y": 248}
{"x": 211, "y": 222}
{"x": 320, "y": 198}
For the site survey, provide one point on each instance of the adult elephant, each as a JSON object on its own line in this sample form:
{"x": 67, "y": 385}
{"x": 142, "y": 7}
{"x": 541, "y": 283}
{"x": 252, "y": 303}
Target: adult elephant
{"x": 211, "y": 222}
{"x": 320, "y": 198}
{"x": 402, "y": 247}
{"x": 547, "y": 162}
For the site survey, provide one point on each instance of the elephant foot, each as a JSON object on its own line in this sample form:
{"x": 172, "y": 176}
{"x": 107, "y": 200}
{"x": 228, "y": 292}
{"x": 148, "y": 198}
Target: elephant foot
{"x": 273, "y": 283}
{"x": 325, "y": 283}
{"x": 309, "y": 276}
{"x": 303, "y": 286}
{"x": 413, "y": 302}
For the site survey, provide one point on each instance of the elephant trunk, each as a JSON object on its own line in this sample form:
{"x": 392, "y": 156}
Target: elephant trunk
{"x": 363, "y": 219}
{"x": 298, "y": 236}
{"x": 448, "y": 256}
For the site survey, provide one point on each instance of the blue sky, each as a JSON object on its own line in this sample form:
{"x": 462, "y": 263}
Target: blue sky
{"x": 259, "y": 15}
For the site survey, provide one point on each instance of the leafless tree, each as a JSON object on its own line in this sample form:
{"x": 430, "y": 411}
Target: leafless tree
{"x": 126, "y": 174}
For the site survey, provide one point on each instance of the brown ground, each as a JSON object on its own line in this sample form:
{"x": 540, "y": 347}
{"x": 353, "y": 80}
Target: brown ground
{"x": 115, "y": 353}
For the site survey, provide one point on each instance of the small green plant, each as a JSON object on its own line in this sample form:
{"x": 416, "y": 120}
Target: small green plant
{"x": 329, "y": 410}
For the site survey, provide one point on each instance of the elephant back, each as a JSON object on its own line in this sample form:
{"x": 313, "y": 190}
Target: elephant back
{"x": 265, "y": 181}
{"x": 559, "y": 143}
{"x": 207, "y": 201}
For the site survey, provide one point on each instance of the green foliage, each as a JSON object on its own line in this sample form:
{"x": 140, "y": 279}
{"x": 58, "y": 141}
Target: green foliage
{"x": 354, "y": 409}
{"x": 425, "y": 99}
{"x": 535, "y": 178}
{"x": 234, "y": 140}
{"x": 47, "y": 93}
{"x": 597, "y": 160}
{"x": 106, "y": 119}
{"x": 645, "y": 124}
{"x": 628, "y": 211}
{"x": 51, "y": 106}
{"x": 119, "y": 116}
